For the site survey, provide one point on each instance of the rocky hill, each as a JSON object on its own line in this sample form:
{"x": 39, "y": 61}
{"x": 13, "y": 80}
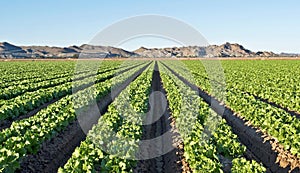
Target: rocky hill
{"x": 224, "y": 50}
{"x": 103, "y": 52}
{"x": 8, "y": 50}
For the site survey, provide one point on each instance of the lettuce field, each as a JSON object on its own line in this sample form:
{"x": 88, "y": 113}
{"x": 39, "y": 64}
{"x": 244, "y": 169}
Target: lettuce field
{"x": 166, "y": 115}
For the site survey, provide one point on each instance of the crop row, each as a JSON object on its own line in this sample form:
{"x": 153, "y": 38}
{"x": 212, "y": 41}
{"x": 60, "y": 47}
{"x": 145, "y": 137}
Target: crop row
{"x": 271, "y": 120}
{"x": 86, "y": 68}
{"x": 44, "y": 74}
{"x": 25, "y": 136}
{"x": 30, "y": 100}
{"x": 208, "y": 140}
{"x": 113, "y": 142}
{"x": 275, "y": 81}
{"x": 15, "y": 90}
{"x": 25, "y": 70}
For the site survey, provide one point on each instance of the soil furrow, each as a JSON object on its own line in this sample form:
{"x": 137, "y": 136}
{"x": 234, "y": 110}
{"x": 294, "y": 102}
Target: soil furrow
{"x": 55, "y": 153}
{"x": 161, "y": 128}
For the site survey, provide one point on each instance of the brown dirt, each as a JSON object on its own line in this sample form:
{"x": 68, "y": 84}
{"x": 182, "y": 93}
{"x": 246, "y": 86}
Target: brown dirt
{"x": 173, "y": 161}
{"x": 185, "y": 168}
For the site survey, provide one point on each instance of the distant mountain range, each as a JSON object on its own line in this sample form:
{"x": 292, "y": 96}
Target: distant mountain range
{"x": 8, "y": 50}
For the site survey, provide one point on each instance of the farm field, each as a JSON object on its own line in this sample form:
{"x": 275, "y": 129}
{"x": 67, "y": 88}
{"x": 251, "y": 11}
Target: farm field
{"x": 100, "y": 116}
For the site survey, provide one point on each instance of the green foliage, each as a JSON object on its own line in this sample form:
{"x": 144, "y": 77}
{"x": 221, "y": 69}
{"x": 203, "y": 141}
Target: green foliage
{"x": 114, "y": 140}
{"x": 26, "y": 136}
{"x": 271, "y": 80}
{"x": 210, "y": 136}
{"x": 241, "y": 165}
{"x": 25, "y": 86}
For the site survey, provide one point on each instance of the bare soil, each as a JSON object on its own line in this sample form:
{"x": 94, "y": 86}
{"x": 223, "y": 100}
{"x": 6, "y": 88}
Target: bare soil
{"x": 172, "y": 161}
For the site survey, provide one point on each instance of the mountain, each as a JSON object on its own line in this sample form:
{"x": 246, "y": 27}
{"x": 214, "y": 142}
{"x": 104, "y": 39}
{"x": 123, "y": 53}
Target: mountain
{"x": 8, "y": 50}
{"x": 224, "y": 50}
{"x": 103, "y": 52}
{"x": 289, "y": 54}
{"x": 46, "y": 51}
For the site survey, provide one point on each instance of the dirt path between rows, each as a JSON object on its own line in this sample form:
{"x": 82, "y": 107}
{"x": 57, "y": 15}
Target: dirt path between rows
{"x": 161, "y": 130}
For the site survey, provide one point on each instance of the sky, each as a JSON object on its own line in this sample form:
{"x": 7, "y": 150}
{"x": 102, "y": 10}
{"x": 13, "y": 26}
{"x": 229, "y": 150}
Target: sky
{"x": 257, "y": 24}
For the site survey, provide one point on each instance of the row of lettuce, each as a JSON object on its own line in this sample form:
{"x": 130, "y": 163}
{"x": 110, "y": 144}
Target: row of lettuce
{"x": 26, "y": 72}
{"x": 26, "y": 136}
{"x": 276, "y": 81}
{"x": 209, "y": 143}
{"x": 21, "y": 72}
{"x": 113, "y": 144}
{"x": 237, "y": 94}
{"x": 13, "y": 89}
{"x": 22, "y": 104}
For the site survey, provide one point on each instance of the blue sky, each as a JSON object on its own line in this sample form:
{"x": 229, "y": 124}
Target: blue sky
{"x": 258, "y": 25}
